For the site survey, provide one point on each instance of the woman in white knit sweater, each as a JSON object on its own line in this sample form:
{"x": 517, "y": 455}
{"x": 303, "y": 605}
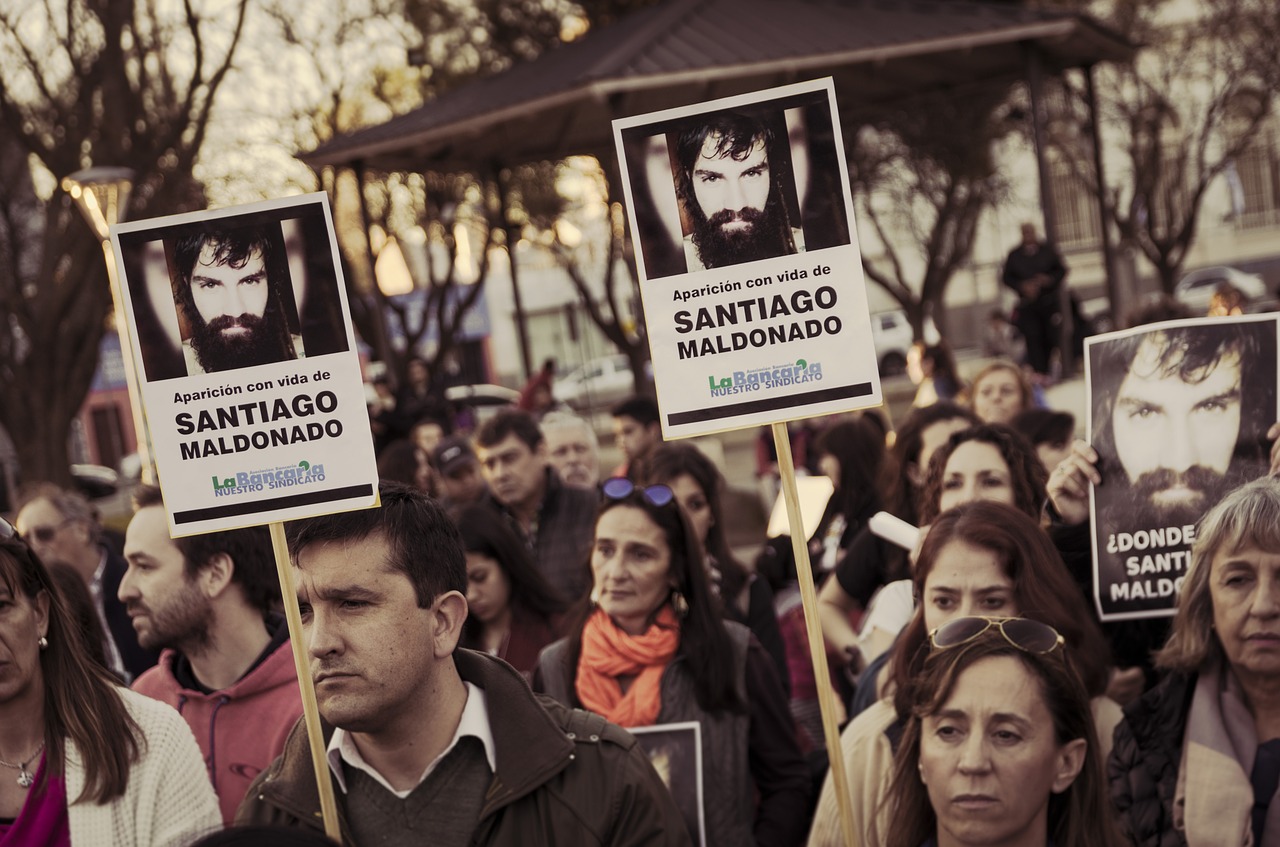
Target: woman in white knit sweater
{"x": 83, "y": 761}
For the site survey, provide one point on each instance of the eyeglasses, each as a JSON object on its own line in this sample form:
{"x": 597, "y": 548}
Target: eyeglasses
{"x": 620, "y": 488}
{"x": 1025, "y": 634}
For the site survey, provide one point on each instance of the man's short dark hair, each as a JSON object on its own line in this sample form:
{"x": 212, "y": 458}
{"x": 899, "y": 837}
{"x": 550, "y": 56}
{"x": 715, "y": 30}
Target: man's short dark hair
{"x": 249, "y": 549}
{"x": 643, "y": 410}
{"x": 425, "y": 544}
{"x": 1191, "y": 353}
{"x": 737, "y": 135}
{"x": 509, "y": 422}
{"x": 1044, "y": 426}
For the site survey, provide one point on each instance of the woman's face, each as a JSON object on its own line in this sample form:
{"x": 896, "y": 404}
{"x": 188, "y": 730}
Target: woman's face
{"x": 990, "y": 760}
{"x": 697, "y": 508}
{"x": 975, "y": 470}
{"x": 932, "y": 437}
{"x": 488, "y": 588}
{"x": 1244, "y": 586}
{"x": 998, "y": 397}
{"x": 631, "y": 565}
{"x": 22, "y": 623}
{"x": 964, "y": 581}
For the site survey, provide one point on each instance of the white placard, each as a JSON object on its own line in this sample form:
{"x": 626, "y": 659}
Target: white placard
{"x": 751, "y": 278}
{"x": 247, "y": 364}
{"x": 675, "y": 750}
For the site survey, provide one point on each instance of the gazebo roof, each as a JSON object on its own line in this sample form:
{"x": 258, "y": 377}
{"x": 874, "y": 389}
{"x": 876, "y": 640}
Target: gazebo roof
{"x": 686, "y": 51}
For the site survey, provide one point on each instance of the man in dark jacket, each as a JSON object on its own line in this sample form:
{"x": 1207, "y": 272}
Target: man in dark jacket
{"x": 429, "y": 741}
{"x": 1035, "y": 270}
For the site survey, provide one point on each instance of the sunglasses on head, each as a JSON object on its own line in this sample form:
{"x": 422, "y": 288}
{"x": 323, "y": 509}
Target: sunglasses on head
{"x": 620, "y": 488}
{"x": 1025, "y": 634}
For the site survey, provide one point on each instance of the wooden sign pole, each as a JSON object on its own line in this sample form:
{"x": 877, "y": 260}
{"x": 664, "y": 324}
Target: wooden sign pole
{"x": 310, "y": 708}
{"x": 813, "y": 627}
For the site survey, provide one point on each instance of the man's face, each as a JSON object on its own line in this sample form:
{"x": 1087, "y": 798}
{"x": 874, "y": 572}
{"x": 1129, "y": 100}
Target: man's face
{"x": 232, "y": 328}
{"x": 168, "y": 609}
{"x": 220, "y": 290}
{"x": 374, "y": 653}
{"x": 53, "y": 537}
{"x": 516, "y": 473}
{"x": 463, "y": 484}
{"x": 1174, "y": 438}
{"x": 633, "y": 438}
{"x": 733, "y": 218}
{"x": 573, "y": 455}
{"x": 726, "y": 187}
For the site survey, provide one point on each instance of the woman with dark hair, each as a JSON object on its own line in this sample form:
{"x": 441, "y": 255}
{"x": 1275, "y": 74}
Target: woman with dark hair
{"x": 80, "y": 610}
{"x": 999, "y": 745}
{"x": 871, "y": 562}
{"x": 983, "y": 462}
{"x": 512, "y": 611}
{"x": 652, "y": 648}
{"x": 851, "y": 454}
{"x": 89, "y": 762}
{"x": 1050, "y": 432}
{"x": 699, "y": 489}
{"x": 1197, "y": 758}
{"x": 979, "y": 558}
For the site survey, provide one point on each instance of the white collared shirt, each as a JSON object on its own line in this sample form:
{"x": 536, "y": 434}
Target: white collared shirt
{"x": 474, "y": 722}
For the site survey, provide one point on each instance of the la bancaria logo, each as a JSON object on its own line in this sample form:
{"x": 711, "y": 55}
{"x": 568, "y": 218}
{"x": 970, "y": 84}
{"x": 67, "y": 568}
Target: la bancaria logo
{"x": 287, "y": 476}
{"x": 756, "y": 379}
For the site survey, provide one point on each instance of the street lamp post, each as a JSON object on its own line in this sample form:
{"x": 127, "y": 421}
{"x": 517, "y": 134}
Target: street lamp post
{"x": 103, "y": 196}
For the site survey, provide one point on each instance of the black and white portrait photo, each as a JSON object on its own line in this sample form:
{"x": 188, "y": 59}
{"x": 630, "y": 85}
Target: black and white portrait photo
{"x": 1178, "y": 414}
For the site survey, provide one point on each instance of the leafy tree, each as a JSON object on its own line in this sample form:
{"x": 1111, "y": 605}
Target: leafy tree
{"x": 88, "y": 82}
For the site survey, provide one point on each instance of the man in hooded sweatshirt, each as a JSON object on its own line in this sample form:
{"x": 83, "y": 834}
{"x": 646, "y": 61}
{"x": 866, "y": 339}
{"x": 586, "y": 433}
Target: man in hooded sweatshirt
{"x": 227, "y": 667}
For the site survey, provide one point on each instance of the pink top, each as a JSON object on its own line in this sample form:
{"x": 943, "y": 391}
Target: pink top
{"x": 43, "y": 819}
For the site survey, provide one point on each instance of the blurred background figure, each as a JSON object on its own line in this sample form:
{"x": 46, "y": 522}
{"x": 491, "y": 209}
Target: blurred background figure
{"x": 572, "y": 448}
{"x": 62, "y": 526}
{"x": 999, "y": 392}
{"x": 1035, "y": 272}
{"x": 1050, "y": 432}
{"x": 636, "y": 431}
{"x": 512, "y": 612}
{"x": 459, "y": 480}
{"x": 536, "y": 397}
{"x": 1227, "y": 300}
{"x": 933, "y": 369}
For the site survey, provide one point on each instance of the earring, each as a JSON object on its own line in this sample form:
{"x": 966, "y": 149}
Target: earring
{"x": 43, "y": 642}
{"x": 679, "y": 604}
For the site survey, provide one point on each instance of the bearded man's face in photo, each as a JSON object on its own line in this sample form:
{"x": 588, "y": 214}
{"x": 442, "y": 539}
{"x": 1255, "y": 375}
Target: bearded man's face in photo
{"x": 1176, "y": 434}
{"x": 233, "y": 326}
{"x": 736, "y": 218}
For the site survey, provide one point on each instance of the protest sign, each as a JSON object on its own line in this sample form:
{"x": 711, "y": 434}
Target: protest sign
{"x": 754, "y": 299}
{"x": 1178, "y": 414}
{"x": 249, "y": 373}
{"x": 675, "y": 749}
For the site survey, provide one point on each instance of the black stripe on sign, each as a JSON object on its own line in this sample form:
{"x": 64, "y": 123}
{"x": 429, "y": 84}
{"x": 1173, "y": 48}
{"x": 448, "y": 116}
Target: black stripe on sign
{"x": 844, "y": 392}
{"x": 232, "y": 509}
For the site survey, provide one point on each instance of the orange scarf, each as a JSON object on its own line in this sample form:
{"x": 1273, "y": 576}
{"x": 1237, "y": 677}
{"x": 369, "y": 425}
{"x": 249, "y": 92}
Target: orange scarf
{"x": 608, "y": 653}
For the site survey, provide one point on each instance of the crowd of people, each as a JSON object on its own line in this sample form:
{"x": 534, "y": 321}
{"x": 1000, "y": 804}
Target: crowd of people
{"x": 514, "y": 647}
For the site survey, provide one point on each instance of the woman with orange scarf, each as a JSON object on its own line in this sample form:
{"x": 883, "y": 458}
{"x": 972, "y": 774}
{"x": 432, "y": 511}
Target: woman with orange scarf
{"x": 652, "y": 647}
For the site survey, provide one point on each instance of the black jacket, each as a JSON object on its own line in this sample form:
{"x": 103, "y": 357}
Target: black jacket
{"x": 1144, "y": 761}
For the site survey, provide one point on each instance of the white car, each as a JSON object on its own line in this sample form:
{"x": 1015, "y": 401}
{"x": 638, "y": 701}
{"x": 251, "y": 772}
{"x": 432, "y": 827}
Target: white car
{"x": 1195, "y": 290}
{"x": 891, "y": 334}
{"x": 597, "y": 383}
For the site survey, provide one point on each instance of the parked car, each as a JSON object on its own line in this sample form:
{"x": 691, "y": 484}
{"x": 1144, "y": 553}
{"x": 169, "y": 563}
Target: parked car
{"x": 891, "y": 334}
{"x": 1195, "y": 290}
{"x": 598, "y": 383}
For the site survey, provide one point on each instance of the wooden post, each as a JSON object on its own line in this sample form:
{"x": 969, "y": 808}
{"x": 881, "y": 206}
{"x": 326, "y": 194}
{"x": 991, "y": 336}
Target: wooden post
{"x": 813, "y": 627}
{"x": 310, "y": 708}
